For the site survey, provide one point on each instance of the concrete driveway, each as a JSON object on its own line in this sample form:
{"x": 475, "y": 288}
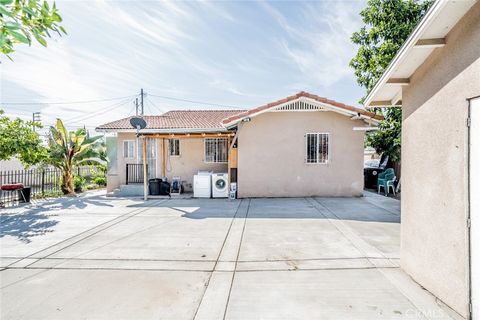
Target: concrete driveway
{"x": 305, "y": 258}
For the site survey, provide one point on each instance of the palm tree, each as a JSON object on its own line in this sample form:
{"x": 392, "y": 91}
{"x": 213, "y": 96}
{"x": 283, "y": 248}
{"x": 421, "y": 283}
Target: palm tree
{"x": 70, "y": 149}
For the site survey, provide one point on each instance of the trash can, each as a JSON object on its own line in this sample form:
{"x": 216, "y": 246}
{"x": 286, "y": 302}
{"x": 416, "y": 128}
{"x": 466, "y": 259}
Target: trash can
{"x": 154, "y": 186}
{"x": 164, "y": 188}
{"x": 24, "y": 194}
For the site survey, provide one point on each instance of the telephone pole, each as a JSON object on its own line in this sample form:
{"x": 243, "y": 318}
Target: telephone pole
{"x": 136, "y": 106}
{"x": 141, "y": 101}
{"x": 36, "y": 118}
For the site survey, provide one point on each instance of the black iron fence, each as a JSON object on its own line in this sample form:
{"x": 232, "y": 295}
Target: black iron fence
{"x": 42, "y": 181}
{"x": 134, "y": 173}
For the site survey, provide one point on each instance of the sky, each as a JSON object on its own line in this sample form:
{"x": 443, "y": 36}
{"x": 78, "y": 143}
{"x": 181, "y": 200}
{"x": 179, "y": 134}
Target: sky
{"x": 236, "y": 54}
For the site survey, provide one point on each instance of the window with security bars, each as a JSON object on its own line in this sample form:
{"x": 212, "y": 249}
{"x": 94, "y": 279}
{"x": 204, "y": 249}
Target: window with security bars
{"x": 216, "y": 150}
{"x": 174, "y": 147}
{"x": 317, "y": 147}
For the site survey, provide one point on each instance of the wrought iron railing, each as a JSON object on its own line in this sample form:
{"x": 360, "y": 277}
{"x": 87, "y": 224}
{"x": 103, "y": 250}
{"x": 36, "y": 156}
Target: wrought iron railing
{"x": 134, "y": 173}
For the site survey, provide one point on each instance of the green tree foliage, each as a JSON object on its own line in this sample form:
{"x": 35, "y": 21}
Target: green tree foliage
{"x": 70, "y": 149}
{"x": 23, "y": 20}
{"x": 387, "y": 24}
{"x": 18, "y": 138}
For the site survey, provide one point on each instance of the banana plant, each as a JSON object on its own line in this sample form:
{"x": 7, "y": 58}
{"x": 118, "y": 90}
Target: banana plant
{"x": 70, "y": 149}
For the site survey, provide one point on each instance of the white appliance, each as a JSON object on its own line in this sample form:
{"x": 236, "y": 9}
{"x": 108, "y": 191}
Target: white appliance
{"x": 220, "y": 185}
{"x": 202, "y": 184}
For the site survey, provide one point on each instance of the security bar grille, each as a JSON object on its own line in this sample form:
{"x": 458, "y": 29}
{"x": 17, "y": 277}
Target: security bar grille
{"x": 174, "y": 147}
{"x": 317, "y": 147}
{"x": 216, "y": 150}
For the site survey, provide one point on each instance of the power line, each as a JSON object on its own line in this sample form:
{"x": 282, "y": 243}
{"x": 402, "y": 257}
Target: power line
{"x": 108, "y": 108}
{"x": 154, "y": 105}
{"x": 193, "y": 101}
{"x": 68, "y": 102}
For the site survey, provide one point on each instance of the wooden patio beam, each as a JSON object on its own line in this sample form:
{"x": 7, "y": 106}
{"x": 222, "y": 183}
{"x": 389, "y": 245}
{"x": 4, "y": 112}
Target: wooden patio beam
{"x": 188, "y": 136}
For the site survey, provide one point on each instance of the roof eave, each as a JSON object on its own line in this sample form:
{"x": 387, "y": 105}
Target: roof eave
{"x": 400, "y": 56}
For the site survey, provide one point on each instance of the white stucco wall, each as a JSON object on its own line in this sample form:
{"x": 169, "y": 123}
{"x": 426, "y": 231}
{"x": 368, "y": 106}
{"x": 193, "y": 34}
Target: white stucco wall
{"x": 271, "y": 156}
{"x": 434, "y": 236}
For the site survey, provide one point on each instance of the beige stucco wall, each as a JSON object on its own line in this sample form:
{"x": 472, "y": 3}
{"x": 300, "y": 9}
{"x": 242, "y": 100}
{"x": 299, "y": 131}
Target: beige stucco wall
{"x": 271, "y": 156}
{"x": 190, "y": 161}
{"x": 434, "y": 235}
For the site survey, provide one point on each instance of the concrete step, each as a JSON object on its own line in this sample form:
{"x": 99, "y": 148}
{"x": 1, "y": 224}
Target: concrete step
{"x": 129, "y": 190}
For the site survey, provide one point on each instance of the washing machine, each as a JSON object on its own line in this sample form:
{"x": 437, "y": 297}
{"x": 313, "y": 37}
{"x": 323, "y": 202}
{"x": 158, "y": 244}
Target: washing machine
{"x": 220, "y": 185}
{"x": 202, "y": 185}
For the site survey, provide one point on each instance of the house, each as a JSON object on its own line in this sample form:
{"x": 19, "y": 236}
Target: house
{"x": 435, "y": 78}
{"x": 303, "y": 145}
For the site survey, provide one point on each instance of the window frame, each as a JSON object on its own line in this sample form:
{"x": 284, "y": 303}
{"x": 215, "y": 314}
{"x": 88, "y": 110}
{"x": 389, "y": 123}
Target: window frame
{"x": 205, "y": 150}
{"x": 329, "y": 148}
{"x": 128, "y": 149}
{"x": 178, "y": 148}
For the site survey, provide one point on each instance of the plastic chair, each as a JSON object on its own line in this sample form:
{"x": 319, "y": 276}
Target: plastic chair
{"x": 386, "y": 180}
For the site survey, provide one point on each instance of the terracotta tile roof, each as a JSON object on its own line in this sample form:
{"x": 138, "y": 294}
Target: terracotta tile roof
{"x": 334, "y": 103}
{"x": 216, "y": 119}
{"x": 178, "y": 119}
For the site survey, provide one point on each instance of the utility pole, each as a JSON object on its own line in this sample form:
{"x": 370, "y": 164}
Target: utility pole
{"x": 136, "y": 106}
{"x": 36, "y": 118}
{"x": 141, "y": 101}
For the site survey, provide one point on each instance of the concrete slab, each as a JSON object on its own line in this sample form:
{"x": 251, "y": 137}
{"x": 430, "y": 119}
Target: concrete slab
{"x": 104, "y": 258}
{"x": 86, "y": 294}
{"x": 327, "y": 294}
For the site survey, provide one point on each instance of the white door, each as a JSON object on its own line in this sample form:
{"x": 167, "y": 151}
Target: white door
{"x": 475, "y": 205}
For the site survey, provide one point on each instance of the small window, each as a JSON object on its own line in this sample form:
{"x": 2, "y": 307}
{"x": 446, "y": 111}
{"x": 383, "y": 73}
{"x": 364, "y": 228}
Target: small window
{"x": 317, "y": 147}
{"x": 174, "y": 147}
{"x": 128, "y": 149}
{"x": 216, "y": 150}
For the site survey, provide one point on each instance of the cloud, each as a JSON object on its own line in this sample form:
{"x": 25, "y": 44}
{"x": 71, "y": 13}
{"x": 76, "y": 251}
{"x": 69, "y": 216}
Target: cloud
{"x": 319, "y": 40}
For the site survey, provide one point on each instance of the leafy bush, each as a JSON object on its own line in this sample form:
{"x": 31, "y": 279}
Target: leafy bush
{"x": 79, "y": 183}
{"x": 100, "y": 180}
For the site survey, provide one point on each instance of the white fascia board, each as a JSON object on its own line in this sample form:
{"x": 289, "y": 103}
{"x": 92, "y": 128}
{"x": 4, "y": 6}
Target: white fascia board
{"x": 437, "y": 6}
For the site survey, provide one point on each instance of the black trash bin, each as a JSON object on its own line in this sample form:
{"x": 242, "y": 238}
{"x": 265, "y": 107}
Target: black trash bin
{"x": 154, "y": 186}
{"x": 24, "y": 194}
{"x": 164, "y": 188}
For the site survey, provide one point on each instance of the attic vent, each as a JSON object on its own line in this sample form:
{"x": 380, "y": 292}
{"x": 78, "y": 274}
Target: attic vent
{"x": 299, "y": 106}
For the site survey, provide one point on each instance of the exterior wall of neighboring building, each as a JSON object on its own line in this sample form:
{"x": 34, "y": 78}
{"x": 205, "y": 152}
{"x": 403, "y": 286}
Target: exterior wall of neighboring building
{"x": 190, "y": 161}
{"x": 272, "y": 156}
{"x": 434, "y": 234}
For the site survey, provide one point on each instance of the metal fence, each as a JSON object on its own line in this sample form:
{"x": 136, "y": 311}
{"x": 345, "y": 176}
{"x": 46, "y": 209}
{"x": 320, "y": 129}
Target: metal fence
{"x": 43, "y": 182}
{"x": 134, "y": 173}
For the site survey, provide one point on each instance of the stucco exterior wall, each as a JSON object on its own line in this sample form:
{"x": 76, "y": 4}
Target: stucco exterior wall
{"x": 434, "y": 236}
{"x": 190, "y": 161}
{"x": 271, "y": 156}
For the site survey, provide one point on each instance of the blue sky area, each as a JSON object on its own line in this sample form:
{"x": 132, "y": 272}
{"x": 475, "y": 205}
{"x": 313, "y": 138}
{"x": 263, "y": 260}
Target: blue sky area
{"x": 235, "y": 53}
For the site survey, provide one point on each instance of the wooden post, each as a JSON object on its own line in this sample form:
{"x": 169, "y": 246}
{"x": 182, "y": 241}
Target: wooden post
{"x": 164, "y": 161}
{"x": 229, "y": 159}
{"x": 145, "y": 173}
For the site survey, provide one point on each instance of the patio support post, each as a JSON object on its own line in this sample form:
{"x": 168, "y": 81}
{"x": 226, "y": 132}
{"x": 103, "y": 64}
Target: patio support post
{"x": 164, "y": 159}
{"x": 145, "y": 173}
{"x": 229, "y": 159}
